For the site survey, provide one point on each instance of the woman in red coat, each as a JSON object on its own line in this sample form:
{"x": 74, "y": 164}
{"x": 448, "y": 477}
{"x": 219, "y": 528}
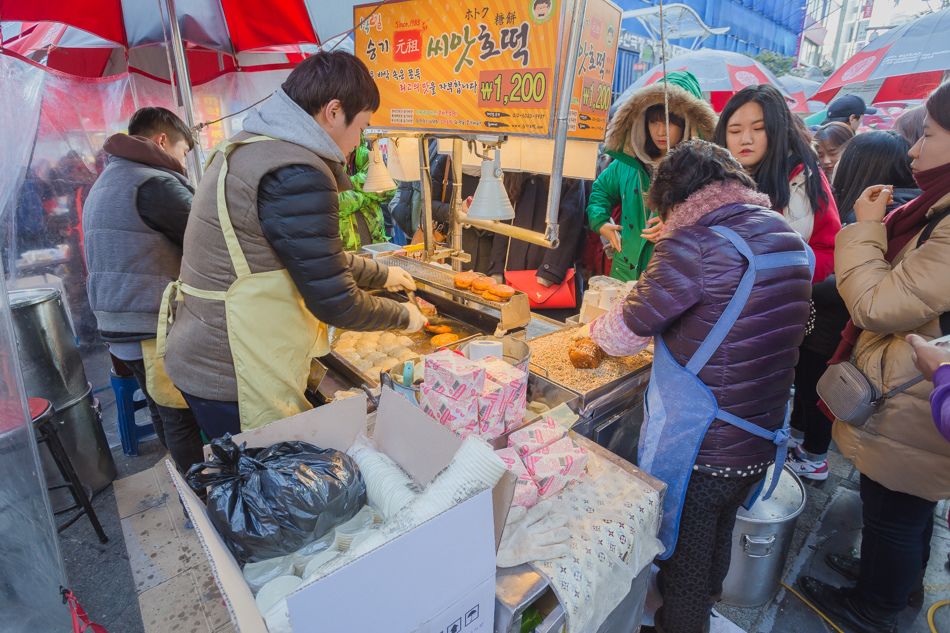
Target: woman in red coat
{"x": 760, "y": 131}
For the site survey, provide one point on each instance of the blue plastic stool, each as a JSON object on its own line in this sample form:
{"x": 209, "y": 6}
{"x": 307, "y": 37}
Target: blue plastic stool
{"x": 129, "y": 432}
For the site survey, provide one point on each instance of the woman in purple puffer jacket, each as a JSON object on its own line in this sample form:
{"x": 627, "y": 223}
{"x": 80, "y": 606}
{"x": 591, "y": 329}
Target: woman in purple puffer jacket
{"x": 695, "y": 272}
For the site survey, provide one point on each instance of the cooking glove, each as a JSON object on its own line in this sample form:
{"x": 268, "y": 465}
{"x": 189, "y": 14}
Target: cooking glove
{"x": 416, "y": 318}
{"x": 398, "y": 279}
{"x": 533, "y": 535}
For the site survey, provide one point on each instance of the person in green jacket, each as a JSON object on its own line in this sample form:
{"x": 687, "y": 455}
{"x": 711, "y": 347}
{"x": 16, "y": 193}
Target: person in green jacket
{"x": 361, "y": 213}
{"x": 637, "y": 140}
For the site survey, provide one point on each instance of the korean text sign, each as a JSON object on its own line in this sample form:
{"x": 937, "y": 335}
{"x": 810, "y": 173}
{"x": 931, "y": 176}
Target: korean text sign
{"x": 487, "y": 67}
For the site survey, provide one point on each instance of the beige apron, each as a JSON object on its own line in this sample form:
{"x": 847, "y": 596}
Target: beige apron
{"x": 159, "y": 385}
{"x": 272, "y": 335}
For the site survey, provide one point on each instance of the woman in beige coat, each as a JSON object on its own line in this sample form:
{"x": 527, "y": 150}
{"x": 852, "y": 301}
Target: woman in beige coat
{"x": 894, "y": 276}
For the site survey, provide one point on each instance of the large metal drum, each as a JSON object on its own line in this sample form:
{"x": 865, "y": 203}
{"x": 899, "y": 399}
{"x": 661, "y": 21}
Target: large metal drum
{"x": 49, "y": 357}
{"x": 760, "y": 543}
{"x": 79, "y": 426}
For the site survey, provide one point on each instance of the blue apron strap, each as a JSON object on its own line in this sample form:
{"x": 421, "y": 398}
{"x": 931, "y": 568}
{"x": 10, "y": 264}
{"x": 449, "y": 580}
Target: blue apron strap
{"x": 780, "y": 260}
{"x": 811, "y": 258}
{"x": 729, "y": 316}
{"x": 732, "y": 311}
{"x": 779, "y": 438}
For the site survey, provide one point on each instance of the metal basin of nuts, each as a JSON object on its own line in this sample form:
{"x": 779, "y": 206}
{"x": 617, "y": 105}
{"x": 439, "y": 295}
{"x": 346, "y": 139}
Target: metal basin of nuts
{"x": 550, "y": 353}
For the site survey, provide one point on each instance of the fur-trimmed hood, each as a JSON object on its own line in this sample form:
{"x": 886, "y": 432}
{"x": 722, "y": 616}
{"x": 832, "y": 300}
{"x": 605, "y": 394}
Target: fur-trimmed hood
{"x": 627, "y": 131}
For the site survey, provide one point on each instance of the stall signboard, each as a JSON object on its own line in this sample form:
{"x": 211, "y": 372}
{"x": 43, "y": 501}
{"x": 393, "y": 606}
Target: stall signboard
{"x": 594, "y": 71}
{"x": 489, "y": 67}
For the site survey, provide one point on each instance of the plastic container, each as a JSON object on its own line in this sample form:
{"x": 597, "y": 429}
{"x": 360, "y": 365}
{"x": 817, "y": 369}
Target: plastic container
{"x": 375, "y": 250}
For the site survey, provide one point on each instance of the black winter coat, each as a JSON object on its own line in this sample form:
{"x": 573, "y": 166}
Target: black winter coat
{"x": 164, "y": 204}
{"x": 693, "y": 274}
{"x": 530, "y": 213}
{"x": 298, "y": 209}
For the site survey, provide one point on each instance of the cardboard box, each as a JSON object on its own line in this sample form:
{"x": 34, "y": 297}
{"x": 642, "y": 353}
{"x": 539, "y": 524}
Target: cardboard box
{"x": 421, "y": 582}
{"x": 491, "y": 410}
{"x": 526, "y": 490}
{"x": 536, "y": 436}
{"x": 454, "y": 375}
{"x": 515, "y": 384}
{"x": 556, "y": 466}
{"x": 454, "y": 414}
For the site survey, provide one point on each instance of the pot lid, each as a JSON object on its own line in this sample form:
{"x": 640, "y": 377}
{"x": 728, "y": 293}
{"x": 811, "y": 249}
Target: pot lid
{"x": 787, "y": 501}
{"x": 31, "y": 296}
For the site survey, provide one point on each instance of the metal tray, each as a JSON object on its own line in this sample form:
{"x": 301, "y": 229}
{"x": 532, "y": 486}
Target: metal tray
{"x": 467, "y": 316}
{"x": 515, "y": 313}
{"x": 610, "y": 397}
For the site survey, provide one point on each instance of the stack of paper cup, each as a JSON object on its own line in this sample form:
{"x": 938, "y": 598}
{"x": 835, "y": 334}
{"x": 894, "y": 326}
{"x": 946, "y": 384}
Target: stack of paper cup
{"x": 481, "y": 348}
{"x": 610, "y": 297}
{"x": 592, "y": 298}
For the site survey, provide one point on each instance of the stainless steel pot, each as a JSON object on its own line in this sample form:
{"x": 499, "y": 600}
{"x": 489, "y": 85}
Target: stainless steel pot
{"x": 49, "y": 357}
{"x": 79, "y": 426}
{"x": 760, "y": 543}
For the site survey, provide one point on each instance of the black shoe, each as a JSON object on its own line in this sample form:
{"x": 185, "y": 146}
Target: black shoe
{"x": 850, "y": 568}
{"x": 847, "y": 566}
{"x": 844, "y": 608}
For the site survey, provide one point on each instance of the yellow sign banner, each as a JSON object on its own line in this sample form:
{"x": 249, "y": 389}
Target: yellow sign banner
{"x": 594, "y": 71}
{"x": 487, "y": 68}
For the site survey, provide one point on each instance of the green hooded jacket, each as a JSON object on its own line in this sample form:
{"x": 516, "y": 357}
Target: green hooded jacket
{"x": 369, "y": 205}
{"x": 626, "y": 180}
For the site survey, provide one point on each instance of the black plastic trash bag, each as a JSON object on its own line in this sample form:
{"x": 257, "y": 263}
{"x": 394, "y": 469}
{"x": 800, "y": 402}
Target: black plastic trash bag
{"x": 268, "y": 502}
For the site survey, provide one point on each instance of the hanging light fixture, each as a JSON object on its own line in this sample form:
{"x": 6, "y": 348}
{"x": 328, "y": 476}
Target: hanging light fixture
{"x": 377, "y": 176}
{"x": 491, "y": 200}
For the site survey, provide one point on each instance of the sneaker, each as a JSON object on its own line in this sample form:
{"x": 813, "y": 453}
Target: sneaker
{"x": 804, "y": 467}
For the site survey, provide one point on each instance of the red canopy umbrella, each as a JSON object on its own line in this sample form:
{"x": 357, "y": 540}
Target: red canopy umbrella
{"x": 904, "y": 64}
{"x": 720, "y": 73}
{"x": 801, "y": 91}
{"x": 43, "y": 42}
{"x": 228, "y": 27}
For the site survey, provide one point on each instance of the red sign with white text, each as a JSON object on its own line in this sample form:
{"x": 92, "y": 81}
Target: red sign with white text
{"x": 743, "y": 76}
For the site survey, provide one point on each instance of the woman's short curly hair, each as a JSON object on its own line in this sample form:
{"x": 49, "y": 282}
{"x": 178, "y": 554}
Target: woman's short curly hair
{"x": 687, "y": 168}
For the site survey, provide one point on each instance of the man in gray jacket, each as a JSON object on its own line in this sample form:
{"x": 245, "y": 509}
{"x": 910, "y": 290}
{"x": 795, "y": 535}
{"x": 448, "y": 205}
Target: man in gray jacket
{"x": 134, "y": 224}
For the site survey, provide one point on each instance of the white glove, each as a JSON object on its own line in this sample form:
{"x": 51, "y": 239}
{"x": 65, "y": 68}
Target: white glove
{"x": 581, "y": 332}
{"x": 398, "y": 279}
{"x": 416, "y": 318}
{"x": 533, "y": 535}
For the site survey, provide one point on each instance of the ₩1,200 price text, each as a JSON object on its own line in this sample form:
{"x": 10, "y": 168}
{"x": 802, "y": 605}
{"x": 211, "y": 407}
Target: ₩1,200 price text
{"x": 525, "y": 88}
